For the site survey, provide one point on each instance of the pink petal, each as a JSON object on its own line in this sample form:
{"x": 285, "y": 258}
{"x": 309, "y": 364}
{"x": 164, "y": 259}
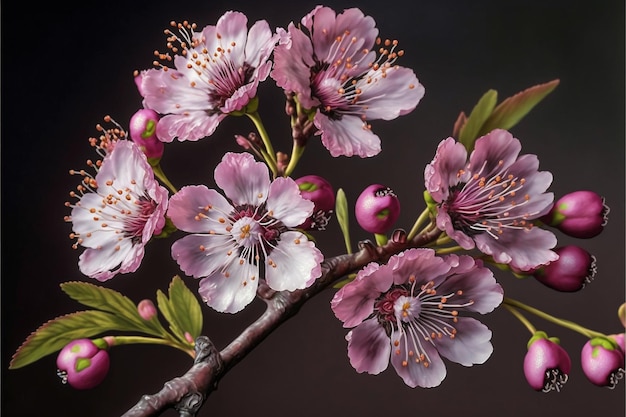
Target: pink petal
{"x": 230, "y": 294}
{"x": 197, "y": 209}
{"x": 396, "y": 94}
{"x": 286, "y": 204}
{"x": 348, "y": 136}
{"x": 368, "y": 347}
{"x": 201, "y": 255}
{"x": 471, "y": 344}
{"x": 243, "y": 180}
{"x": 416, "y": 373}
{"x": 295, "y": 263}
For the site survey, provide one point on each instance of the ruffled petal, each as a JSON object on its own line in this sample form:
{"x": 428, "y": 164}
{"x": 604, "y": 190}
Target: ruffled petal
{"x": 285, "y": 203}
{"x": 522, "y": 249}
{"x": 103, "y": 263}
{"x": 354, "y": 302}
{"x": 198, "y": 209}
{"x": 202, "y": 255}
{"x": 498, "y": 146}
{"x": 230, "y": 294}
{"x": 476, "y": 284}
{"x": 348, "y": 136}
{"x": 416, "y": 373}
{"x": 260, "y": 43}
{"x": 243, "y": 180}
{"x": 421, "y": 264}
{"x": 471, "y": 343}
{"x": 294, "y": 263}
{"x": 441, "y": 173}
{"x": 191, "y": 125}
{"x": 369, "y": 347}
{"x": 398, "y": 93}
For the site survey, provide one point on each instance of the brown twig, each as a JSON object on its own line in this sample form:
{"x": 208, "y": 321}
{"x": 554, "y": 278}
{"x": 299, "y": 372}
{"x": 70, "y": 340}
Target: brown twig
{"x": 188, "y": 392}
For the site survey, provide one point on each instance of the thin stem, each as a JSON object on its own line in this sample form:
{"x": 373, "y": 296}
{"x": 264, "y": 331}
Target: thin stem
{"x": 445, "y": 251}
{"x": 271, "y": 155}
{"x": 418, "y": 223}
{"x": 521, "y": 318}
{"x": 296, "y": 153}
{"x": 381, "y": 239}
{"x": 158, "y": 172}
{"x": 131, "y": 340}
{"x": 564, "y": 323}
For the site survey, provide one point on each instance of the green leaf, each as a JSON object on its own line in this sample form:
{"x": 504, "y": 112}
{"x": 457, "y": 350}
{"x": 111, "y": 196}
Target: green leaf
{"x": 508, "y": 113}
{"x": 474, "y": 123}
{"x": 181, "y": 309}
{"x": 112, "y": 301}
{"x": 55, "y": 334}
{"x": 341, "y": 210}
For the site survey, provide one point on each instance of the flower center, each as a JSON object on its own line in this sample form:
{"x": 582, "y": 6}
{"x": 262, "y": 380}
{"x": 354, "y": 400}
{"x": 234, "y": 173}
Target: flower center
{"x": 491, "y": 203}
{"x": 246, "y": 232}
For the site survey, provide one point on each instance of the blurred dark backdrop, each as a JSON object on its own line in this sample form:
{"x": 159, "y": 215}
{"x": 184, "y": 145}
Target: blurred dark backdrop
{"x": 65, "y": 65}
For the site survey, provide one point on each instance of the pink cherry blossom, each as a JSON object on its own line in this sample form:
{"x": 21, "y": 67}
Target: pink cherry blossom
{"x": 236, "y": 241}
{"x": 117, "y": 212}
{"x": 330, "y": 63}
{"x": 407, "y": 312}
{"x": 490, "y": 200}
{"x": 217, "y": 74}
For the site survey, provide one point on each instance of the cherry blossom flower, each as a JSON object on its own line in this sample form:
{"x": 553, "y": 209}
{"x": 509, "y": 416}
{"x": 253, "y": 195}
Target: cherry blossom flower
{"x": 407, "y": 312}
{"x": 217, "y": 73}
{"x": 490, "y": 200}
{"x": 333, "y": 68}
{"x": 118, "y": 212}
{"x": 234, "y": 242}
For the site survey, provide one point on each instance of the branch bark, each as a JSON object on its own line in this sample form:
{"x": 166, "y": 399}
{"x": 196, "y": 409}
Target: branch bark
{"x": 188, "y": 392}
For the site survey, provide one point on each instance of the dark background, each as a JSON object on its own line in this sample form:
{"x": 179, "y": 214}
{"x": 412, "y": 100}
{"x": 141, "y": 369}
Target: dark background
{"x": 65, "y": 67}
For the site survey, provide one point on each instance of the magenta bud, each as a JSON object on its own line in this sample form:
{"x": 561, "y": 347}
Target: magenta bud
{"x": 321, "y": 193}
{"x": 82, "y": 364}
{"x": 619, "y": 339}
{"x": 574, "y": 269}
{"x": 602, "y": 361}
{"x": 546, "y": 364}
{"x": 581, "y": 214}
{"x": 143, "y": 132}
{"x": 377, "y": 208}
{"x": 146, "y": 309}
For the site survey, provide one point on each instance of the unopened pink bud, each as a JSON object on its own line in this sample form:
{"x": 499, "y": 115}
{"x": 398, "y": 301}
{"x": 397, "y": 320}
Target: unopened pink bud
{"x": 321, "y": 193}
{"x": 82, "y": 364}
{"x": 546, "y": 364}
{"x": 142, "y": 129}
{"x": 377, "y": 208}
{"x": 574, "y": 269}
{"x": 146, "y": 309}
{"x": 602, "y": 361}
{"x": 581, "y": 214}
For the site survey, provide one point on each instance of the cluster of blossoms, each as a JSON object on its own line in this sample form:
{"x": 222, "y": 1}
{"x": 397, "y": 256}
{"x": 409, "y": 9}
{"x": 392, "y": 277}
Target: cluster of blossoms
{"x": 490, "y": 201}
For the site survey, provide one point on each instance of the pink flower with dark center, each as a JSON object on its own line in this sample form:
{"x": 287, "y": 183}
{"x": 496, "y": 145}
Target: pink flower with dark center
{"x": 407, "y": 312}
{"x": 217, "y": 72}
{"x": 251, "y": 235}
{"x": 117, "y": 213}
{"x": 330, "y": 63}
{"x": 490, "y": 200}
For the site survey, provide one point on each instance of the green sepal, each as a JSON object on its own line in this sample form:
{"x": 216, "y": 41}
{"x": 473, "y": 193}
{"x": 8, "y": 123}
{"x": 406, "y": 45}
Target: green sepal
{"x": 167, "y": 230}
{"x": 344, "y": 281}
{"x": 474, "y": 123}
{"x": 430, "y": 203}
{"x": 341, "y": 210}
{"x": 605, "y": 342}
{"x": 307, "y": 186}
{"x": 113, "y": 302}
{"x": 82, "y": 363}
{"x": 149, "y": 130}
{"x": 509, "y": 112}
{"x": 536, "y": 336}
{"x": 53, "y": 335}
{"x": 181, "y": 309}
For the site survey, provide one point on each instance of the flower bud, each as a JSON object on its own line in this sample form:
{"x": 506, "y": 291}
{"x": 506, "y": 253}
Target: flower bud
{"x": 602, "y": 361}
{"x": 321, "y": 193}
{"x": 377, "y": 209}
{"x": 546, "y": 364}
{"x": 142, "y": 129}
{"x": 571, "y": 272}
{"x": 146, "y": 309}
{"x": 83, "y": 364}
{"x": 581, "y": 214}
